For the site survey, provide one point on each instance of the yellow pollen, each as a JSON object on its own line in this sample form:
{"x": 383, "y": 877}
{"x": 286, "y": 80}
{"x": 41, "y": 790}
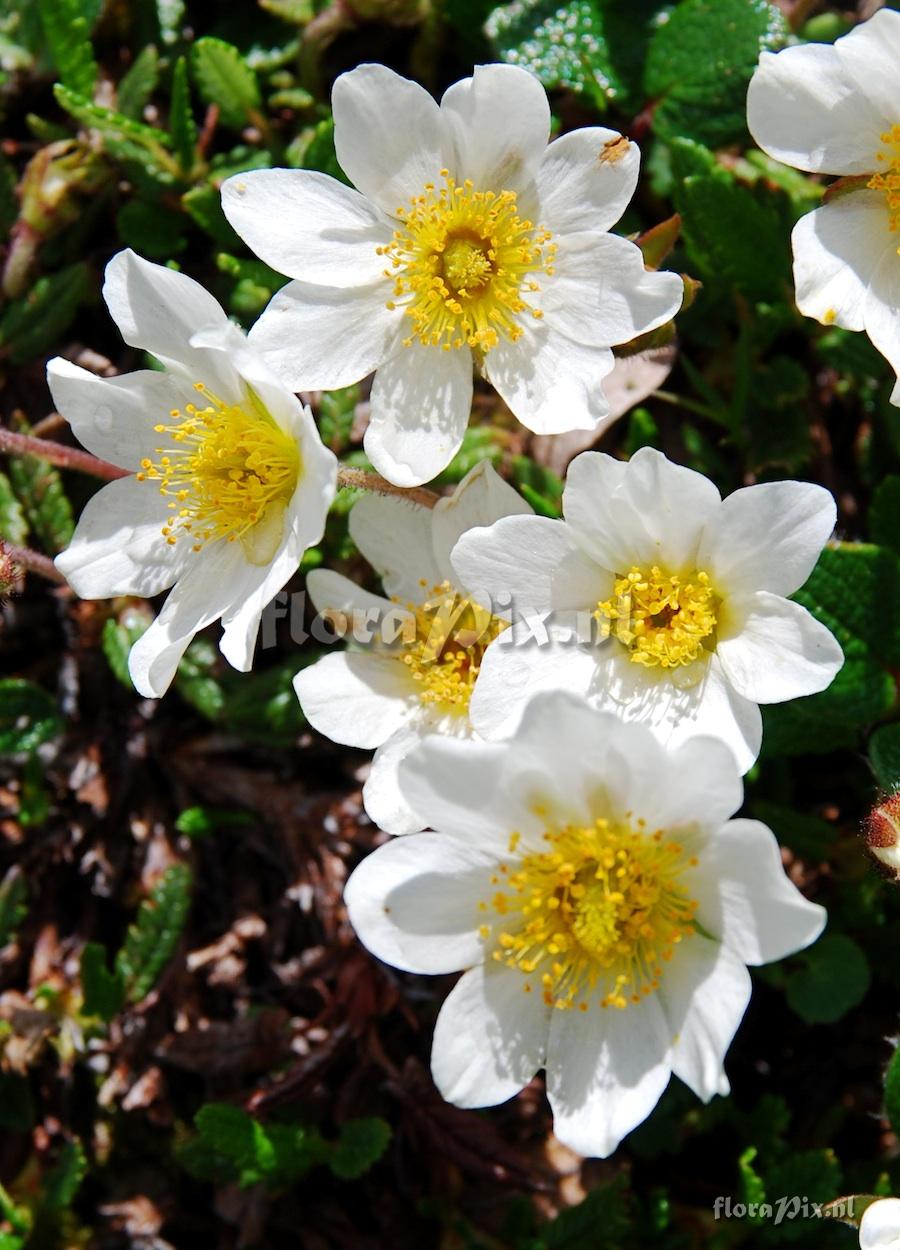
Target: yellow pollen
{"x": 444, "y": 659}
{"x": 888, "y": 178}
{"x": 463, "y": 263}
{"x": 226, "y": 467}
{"x": 663, "y": 621}
{"x": 596, "y": 915}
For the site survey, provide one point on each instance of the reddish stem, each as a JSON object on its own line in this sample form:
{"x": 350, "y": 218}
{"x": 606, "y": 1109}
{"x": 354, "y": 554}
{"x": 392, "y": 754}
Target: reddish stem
{"x": 33, "y": 562}
{"x": 55, "y": 453}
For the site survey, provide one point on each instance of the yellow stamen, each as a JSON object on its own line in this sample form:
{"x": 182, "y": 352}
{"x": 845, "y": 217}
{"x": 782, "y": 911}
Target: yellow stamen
{"x": 462, "y": 264}
{"x": 228, "y": 467}
{"x": 596, "y": 915}
{"x": 663, "y": 621}
{"x": 888, "y": 180}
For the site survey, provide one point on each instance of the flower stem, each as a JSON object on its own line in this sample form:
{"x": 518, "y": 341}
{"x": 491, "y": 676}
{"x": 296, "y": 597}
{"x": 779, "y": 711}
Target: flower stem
{"x": 55, "y": 453}
{"x": 358, "y": 479}
{"x": 33, "y": 561}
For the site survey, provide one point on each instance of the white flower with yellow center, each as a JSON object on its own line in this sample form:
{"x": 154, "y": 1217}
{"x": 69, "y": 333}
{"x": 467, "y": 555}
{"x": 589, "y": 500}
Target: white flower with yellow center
{"x": 602, "y": 906}
{"x": 836, "y": 110}
{"x": 417, "y": 676}
{"x": 666, "y": 603}
{"x": 468, "y": 237}
{"x": 230, "y": 482}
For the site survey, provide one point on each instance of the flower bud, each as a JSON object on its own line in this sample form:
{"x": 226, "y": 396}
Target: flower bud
{"x": 882, "y": 833}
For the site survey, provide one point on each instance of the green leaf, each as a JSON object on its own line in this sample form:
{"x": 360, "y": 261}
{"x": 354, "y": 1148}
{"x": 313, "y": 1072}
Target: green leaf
{"x": 13, "y": 526}
{"x": 753, "y": 1187}
{"x": 41, "y": 491}
{"x": 314, "y": 149}
{"x": 541, "y": 487}
{"x": 16, "y": 1103}
{"x": 34, "y": 800}
{"x": 195, "y": 680}
{"x": 152, "y": 939}
{"x": 892, "y": 1091}
{"x": 65, "y": 1180}
{"x": 138, "y": 85}
{"x": 884, "y": 755}
{"x": 119, "y": 636}
{"x": 67, "y": 33}
{"x": 223, "y": 78}
{"x": 884, "y": 514}
{"x": 31, "y": 325}
{"x": 13, "y": 904}
{"x": 360, "y": 1145}
{"x": 811, "y": 1176}
{"x": 123, "y": 138}
{"x": 832, "y": 979}
{"x": 28, "y": 716}
{"x": 699, "y": 65}
{"x": 203, "y": 204}
{"x": 151, "y": 229}
{"x": 230, "y": 1145}
{"x": 576, "y": 1228}
{"x": 103, "y": 990}
{"x": 262, "y": 707}
{"x": 200, "y": 822}
{"x": 181, "y": 117}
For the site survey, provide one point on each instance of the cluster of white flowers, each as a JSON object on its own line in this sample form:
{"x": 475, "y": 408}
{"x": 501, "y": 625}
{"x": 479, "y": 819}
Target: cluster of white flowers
{"x": 562, "y": 710}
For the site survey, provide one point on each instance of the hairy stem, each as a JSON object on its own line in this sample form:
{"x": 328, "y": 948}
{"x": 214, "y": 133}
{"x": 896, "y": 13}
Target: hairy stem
{"x": 55, "y": 453}
{"x": 33, "y": 562}
{"x": 358, "y": 479}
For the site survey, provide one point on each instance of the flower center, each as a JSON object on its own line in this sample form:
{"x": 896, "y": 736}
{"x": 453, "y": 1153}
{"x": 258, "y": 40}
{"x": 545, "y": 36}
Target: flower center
{"x": 462, "y": 263}
{"x": 227, "y": 468}
{"x": 888, "y": 179}
{"x": 595, "y": 916}
{"x": 663, "y": 621}
{"x": 452, "y": 635}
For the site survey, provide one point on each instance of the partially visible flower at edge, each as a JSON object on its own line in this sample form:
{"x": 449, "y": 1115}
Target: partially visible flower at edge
{"x": 230, "y": 483}
{"x": 879, "y": 1228}
{"x": 468, "y": 236}
{"x": 600, "y": 903}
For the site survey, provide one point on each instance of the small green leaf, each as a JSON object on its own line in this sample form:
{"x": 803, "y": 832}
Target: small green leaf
{"x": 151, "y": 941}
{"x": 195, "y": 680}
{"x": 200, "y": 822}
{"x": 138, "y": 85}
{"x": 67, "y": 33}
{"x": 64, "y": 1181}
{"x": 181, "y": 117}
{"x": 203, "y": 204}
{"x": 360, "y": 1145}
{"x": 313, "y": 148}
{"x": 13, "y": 525}
{"x": 223, "y": 78}
{"x": 13, "y": 904}
{"x": 337, "y": 412}
{"x": 103, "y": 990}
{"x": 806, "y": 1176}
{"x": 605, "y": 1207}
{"x": 884, "y": 754}
{"x": 230, "y": 1145}
{"x": 31, "y": 325}
{"x": 123, "y": 138}
{"x": 119, "y": 636}
{"x": 753, "y": 1187}
{"x": 28, "y": 716}
{"x": 833, "y": 979}
{"x": 263, "y": 707}
{"x": 151, "y": 229}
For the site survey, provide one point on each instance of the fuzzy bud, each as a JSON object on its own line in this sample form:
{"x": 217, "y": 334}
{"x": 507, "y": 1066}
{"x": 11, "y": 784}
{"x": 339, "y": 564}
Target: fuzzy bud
{"x": 882, "y": 833}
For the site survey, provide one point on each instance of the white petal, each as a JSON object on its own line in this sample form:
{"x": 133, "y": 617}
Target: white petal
{"x": 414, "y": 902}
{"x": 586, "y": 180}
{"x": 199, "y": 597}
{"x": 773, "y": 650}
{"x": 419, "y": 412}
{"x": 879, "y": 1228}
{"x": 394, "y": 535}
{"x": 869, "y": 55}
{"x": 307, "y": 225}
{"x": 481, "y": 498}
{"x": 767, "y": 537}
{"x": 531, "y": 564}
{"x": 804, "y": 109}
{"x": 704, "y": 991}
{"x": 601, "y": 294}
{"x": 159, "y": 309}
{"x": 332, "y": 592}
{"x": 360, "y": 700}
{"x": 882, "y": 310}
{"x": 504, "y": 156}
{"x": 118, "y": 547}
{"x": 837, "y": 250}
{"x": 699, "y": 783}
{"x": 650, "y": 511}
{"x": 383, "y": 797}
{"x": 114, "y": 417}
{"x": 606, "y": 1071}
{"x": 490, "y": 1038}
{"x": 451, "y": 784}
{"x": 551, "y": 383}
{"x": 745, "y": 898}
{"x": 323, "y": 338}
{"x": 389, "y": 135}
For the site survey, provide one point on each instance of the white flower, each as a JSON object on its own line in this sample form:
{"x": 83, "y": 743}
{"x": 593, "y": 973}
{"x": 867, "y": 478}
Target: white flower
{"x": 879, "y": 1228}
{"x": 393, "y": 693}
{"x": 603, "y": 906}
{"x": 678, "y": 599}
{"x": 230, "y": 481}
{"x": 467, "y": 236}
{"x": 836, "y": 110}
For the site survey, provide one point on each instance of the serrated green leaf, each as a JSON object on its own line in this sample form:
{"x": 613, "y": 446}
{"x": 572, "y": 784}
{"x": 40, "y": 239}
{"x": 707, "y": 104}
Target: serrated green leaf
{"x": 13, "y": 525}
{"x": 230, "y": 1145}
{"x": 151, "y": 940}
{"x": 884, "y": 754}
{"x": 28, "y": 716}
{"x": 123, "y": 138}
{"x": 884, "y": 514}
{"x": 181, "y": 117}
{"x": 137, "y": 86}
{"x": 13, "y": 904}
{"x": 832, "y": 979}
{"x": 67, "y": 33}
{"x": 699, "y": 64}
{"x": 223, "y": 78}
{"x": 360, "y": 1145}
{"x": 30, "y": 326}
{"x": 103, "y": 990}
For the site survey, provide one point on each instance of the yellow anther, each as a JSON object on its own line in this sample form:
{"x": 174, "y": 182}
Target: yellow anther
{"x": 663, "y": 620}
{"x": 888, "y": 177}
